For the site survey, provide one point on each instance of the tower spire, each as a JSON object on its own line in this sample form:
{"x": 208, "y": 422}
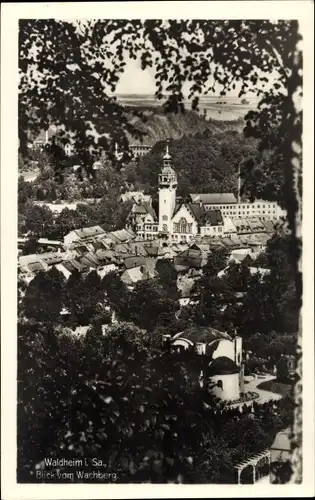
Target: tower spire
{"x": 167, "y": 156}
{"x": 167, "y": 147}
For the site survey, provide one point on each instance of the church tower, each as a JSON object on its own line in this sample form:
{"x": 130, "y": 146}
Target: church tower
{"x": 167, "y": 193}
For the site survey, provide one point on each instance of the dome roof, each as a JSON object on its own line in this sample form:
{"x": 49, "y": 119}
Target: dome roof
{"x": 168, "y": 171}
{"x": 205, "y": 335}
{"x": 222, "y": 366}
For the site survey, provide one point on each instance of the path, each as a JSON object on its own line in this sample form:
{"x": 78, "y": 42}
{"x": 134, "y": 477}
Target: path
{"x": 264, "y": 396}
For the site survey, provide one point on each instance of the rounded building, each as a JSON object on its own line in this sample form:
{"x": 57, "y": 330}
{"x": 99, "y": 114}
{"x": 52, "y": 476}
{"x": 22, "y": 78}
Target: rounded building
{"x": 224, "y": 372}
{"x": 223, "y": 376}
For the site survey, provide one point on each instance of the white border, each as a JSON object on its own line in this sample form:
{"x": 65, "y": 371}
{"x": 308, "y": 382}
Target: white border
{"x": 301, "y": 10}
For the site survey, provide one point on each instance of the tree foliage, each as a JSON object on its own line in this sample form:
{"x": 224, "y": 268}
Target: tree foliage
{"x": 79, "y": 65}
{"x": 138, "y": 409}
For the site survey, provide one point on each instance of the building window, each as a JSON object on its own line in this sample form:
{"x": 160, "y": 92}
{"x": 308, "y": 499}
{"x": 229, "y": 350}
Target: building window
{"x": 220, "y": 384}
{"x": 164, "y": 227}
{"x": 164, "y": 217}
{"x": 182, "y": 226}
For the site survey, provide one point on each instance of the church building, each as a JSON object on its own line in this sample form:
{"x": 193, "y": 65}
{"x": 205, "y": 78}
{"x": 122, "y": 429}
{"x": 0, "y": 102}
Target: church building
{"x": 204, "y": 214}
{"x": 178, "y": 220}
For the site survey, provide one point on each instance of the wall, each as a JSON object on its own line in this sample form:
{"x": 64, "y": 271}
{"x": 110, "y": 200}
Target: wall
{"x": 183, "y": 212}
{"x": 167, "y": 197}
{"x": 225, "y": 348}
{"x": 266, "y": 209}
{"x": 211, "y": 230}
{"x": 230, "y": 387}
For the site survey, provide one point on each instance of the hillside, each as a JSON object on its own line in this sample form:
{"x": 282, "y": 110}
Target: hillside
{"x": 207, "y": 161}
{"x": 160, "y": 126}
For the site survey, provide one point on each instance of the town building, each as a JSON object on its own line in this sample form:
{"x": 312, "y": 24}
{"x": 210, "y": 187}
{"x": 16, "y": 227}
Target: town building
{"x": 140, "y": 149}
{"x": 224, "y": 374}
{"x": 230, "y": 207}
{"x": 136, "y": 197}
{"x": 202, "y": 214}
{"x": 143, "y": 220}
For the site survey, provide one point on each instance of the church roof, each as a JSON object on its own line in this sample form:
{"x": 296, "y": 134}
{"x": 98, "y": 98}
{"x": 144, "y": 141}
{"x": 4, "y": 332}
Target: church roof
{"x": 198, "y": 211}
{"x": 213, "y": 217}
{"x": 213, "y": 198}
{"x": 202, "y": 216}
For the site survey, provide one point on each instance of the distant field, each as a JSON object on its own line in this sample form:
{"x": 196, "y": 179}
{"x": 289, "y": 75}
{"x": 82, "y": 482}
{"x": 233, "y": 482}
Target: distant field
{"x": 277, "y": 387}
{"x": 225, "y": 109}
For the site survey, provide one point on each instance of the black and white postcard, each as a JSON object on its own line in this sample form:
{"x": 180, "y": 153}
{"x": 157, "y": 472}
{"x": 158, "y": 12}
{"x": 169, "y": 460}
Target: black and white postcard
{"x": 157, "y": 242}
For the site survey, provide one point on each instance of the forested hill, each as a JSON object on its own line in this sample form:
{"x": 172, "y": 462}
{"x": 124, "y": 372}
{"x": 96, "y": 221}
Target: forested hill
{"x": 159, "y": 125}
{"x": 204, "y": 162}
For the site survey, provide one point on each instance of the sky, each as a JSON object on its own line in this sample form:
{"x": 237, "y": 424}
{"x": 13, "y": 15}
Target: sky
{"x": 136, "y": 81}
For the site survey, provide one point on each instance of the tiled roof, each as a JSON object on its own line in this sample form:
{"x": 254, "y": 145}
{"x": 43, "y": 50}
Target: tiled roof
{"x": 150, "y": 210}
{"x": 132, "y": 275}
{"x": 63, "y": 270}
{"x": 198, "y": 211}
{"x": 36, "y": 266}
{"x": 262, "y": 238}
{"x": 89, "y": 232}
{"x": 152, "y": 251}
{"x": 121, "y": 248}
{"x": 213, "y": 217}
{"x": 269, "y": 225}
{"x": 213, "y": 198}
{"x": 72, "y": 265}
{"x": 228, "y": 242}
{"x": 256, "y": 224}
{"x": 137, "y": 248}
{"x": 134, "y": 261}
{"x": 124, "y": 234}
{"x": 203, "y": 216}
{"x": 51, "y": 258}
{"x": 25, "y": 260}
{"x": 180, "y": 267}
{"x": 90, "y": 259}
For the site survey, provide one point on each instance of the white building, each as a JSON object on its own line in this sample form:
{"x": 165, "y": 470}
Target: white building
{"x": 205, "y": 214}
{"x": 225, "y": 369}
{"x": 230, "y": 207}
{"x": 140, "y": 149}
